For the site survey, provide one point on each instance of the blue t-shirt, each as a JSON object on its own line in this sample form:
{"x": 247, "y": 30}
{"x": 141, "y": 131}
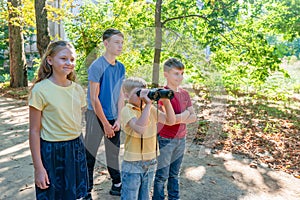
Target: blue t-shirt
{"x": 110, "y": 78}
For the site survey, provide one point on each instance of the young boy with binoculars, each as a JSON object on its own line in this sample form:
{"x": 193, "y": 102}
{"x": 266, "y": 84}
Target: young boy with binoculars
{"x": 139, "y": 121}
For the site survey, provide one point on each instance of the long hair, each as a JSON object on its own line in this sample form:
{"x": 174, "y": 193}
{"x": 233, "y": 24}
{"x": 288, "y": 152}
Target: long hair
{"x": 45, "y": 70}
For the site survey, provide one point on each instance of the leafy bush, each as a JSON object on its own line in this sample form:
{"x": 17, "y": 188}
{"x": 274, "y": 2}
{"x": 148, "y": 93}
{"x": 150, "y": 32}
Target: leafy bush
{"x": 4, "y": 78}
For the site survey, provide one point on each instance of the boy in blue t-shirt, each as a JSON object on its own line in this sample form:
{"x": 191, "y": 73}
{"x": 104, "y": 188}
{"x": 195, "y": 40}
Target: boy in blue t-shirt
{"x": 105, "y": 101}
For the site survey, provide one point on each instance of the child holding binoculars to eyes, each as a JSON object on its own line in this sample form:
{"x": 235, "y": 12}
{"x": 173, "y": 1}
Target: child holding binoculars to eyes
{"x": 138, "y": 119}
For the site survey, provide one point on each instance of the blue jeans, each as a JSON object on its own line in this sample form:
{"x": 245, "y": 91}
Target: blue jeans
{"x": 137, "y": 178}
{"x": 168, "y": 167}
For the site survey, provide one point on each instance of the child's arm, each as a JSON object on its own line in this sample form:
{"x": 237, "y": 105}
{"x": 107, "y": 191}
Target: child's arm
{"x": 40, "y": 174}
{"x": 121, "y": 103}
{"x": 191, "y": 117}
{"x": 182, "y": 116}
{"x": 94, "y": 93}
{"x": 168, "y": 117}
{"x": 187, "y": 116}
{"x": 140, "y": 125}
{"x": 179, "y": 118}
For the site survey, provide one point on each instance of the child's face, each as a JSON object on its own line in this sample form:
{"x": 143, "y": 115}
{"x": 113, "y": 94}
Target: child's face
{"x": 114, "y": 45}
{"x": 133, "y": 98}
{"x": 63, "y": 62}
{"x": 174, "y": 76}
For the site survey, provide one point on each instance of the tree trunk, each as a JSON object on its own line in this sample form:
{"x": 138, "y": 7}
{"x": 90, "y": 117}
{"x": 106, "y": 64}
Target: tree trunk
{"x": 17, "y": 59}
{"x": 158, "y": 41}
{"x": 42, "y": 29}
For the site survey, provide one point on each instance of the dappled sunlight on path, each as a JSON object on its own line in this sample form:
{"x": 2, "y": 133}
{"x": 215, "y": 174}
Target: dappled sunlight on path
{"x": 16, "y": 180}
{"x": 205, "y": 175}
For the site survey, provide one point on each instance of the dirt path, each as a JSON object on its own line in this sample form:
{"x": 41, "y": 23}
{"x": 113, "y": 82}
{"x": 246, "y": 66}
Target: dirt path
{"x": 204, "y": 175}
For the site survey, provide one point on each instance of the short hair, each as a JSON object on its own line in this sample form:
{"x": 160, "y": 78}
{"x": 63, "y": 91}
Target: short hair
{"x": 133, "y": 82}
{"x": 111, "y": 32}
{"x": 172, "y": 63}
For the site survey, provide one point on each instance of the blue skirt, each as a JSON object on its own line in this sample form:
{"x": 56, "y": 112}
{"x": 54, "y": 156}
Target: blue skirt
{"x": 65, "y": 163}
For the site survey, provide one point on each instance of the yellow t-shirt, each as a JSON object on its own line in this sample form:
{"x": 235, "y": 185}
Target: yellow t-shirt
{"x": 133, "y": 150}
{"x": 61, "y": 109}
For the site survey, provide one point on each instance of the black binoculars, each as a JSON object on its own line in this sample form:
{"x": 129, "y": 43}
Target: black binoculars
{"x": 158, "y": 93}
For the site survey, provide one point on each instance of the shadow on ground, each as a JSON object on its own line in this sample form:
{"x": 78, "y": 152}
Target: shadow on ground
{"x": 204, "y": 176}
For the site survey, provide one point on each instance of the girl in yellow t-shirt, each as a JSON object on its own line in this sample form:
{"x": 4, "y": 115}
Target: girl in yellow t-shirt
{"x": 55, "y": 107}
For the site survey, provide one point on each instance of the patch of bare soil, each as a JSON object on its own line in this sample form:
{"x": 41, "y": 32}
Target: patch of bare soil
{"x": 20, "y": 93}
{"x": 265, "y": 130}
{"x": 206, "y": 174}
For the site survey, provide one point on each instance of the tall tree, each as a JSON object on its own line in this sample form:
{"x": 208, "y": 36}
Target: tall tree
{"x": 18, "y": 69}
{"x": 236, "y": 32}
{"x": 185, "y": 18}
{"x": 158, "y": 44}
{"x": 42, "y": 29}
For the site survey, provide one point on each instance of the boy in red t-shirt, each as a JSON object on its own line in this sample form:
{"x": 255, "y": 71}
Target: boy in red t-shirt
{"x": 172, "y": 138}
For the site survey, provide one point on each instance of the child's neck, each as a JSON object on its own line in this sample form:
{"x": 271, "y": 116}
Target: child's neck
{"x": 61, "y": 81}
{"x": 135, "y": 105}
{"x": 111, "y": 59}
{"x": 173, "y": 87}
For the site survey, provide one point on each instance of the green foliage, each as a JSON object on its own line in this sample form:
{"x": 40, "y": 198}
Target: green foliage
{"x": 31, "y": 73}
{"x": 4, "y": 78}
{"x": 85, "y": 29}
{"x": 277, "y": 87}
{"x": 243, "y": 53}
{"x": 238, "y": 34}
{"x": 285, "y": 48}
{"x": 3, "y": 33}
{"x": 242, "y": 35}
{"x": 282, "y": 17}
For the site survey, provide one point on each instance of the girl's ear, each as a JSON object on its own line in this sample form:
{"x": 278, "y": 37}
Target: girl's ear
{"x": 49, "y": 60}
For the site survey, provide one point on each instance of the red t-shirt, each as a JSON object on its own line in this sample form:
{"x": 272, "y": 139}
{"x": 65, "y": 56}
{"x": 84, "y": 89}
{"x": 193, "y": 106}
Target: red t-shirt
{"x": 180, "y": 103}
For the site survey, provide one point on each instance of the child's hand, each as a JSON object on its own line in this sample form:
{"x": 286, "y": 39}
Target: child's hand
{"x": 144, "y": 96}
{"x": 41, "y": 178}
{"x": 108, "y": 131}
{"x": 116, "y": 126}
{"x": 164, "y": 100}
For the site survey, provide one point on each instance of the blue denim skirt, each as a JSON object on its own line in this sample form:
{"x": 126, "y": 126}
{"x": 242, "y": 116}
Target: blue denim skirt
{"x": 65, "y": 163}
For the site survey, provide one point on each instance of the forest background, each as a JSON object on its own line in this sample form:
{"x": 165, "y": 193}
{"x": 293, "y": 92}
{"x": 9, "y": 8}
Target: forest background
{"x": 242, "y": 53}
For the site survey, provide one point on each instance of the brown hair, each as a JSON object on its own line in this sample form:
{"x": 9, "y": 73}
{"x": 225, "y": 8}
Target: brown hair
{"x": 172, "y": 63}
{"x": 111, "y": 32}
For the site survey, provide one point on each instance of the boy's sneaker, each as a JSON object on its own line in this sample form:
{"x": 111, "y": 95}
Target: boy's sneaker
{"x": 116, "y": 191}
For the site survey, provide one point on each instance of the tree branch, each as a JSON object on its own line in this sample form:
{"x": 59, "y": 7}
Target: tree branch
{"x": 223, "y": 36}
{"x": 181, "y": 17}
